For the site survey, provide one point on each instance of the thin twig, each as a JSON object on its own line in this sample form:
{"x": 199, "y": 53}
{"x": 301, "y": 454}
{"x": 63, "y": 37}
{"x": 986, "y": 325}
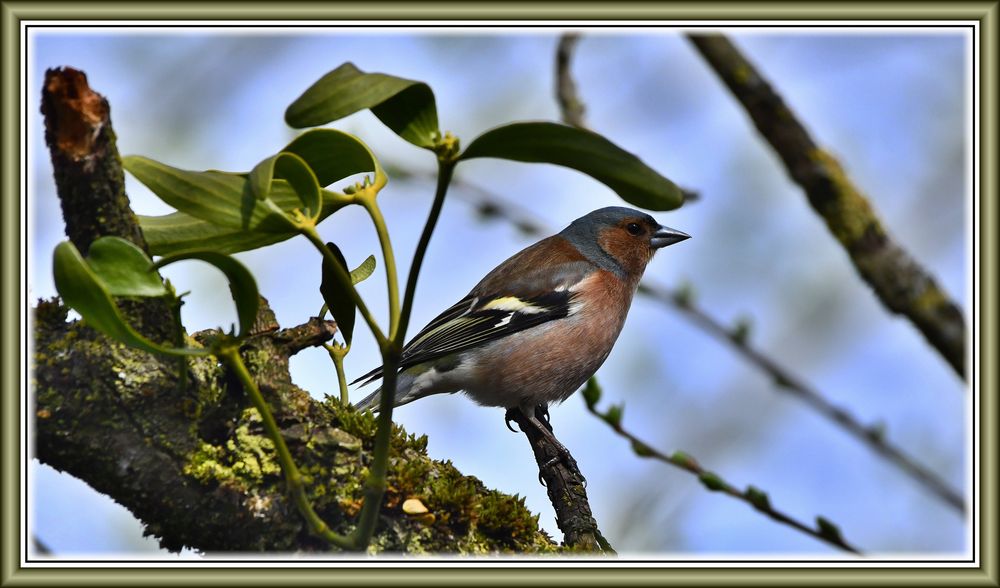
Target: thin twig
{"x": 491, "y": 206}
{"x": 872, "y": 436}
{"x": 313, "y": 333}
{"x": 825, "y": 530}
{"x": 571, "y": 106}
{"x": 900, "y": 282}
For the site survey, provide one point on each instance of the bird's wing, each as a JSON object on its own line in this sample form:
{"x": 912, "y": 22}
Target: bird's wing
{"x": 486, "y": 320}
{"x": 497, "y": 308}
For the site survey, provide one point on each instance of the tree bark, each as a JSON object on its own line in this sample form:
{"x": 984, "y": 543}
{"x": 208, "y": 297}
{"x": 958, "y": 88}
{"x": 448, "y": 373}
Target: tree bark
{"x": 567, "y": 490}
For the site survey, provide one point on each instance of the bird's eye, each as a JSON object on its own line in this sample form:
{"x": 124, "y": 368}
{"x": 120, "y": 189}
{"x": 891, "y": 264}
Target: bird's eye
{"x": 633, "y": 228}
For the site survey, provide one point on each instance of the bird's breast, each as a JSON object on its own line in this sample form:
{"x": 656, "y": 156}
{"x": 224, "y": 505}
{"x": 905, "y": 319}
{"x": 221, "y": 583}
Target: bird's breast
{"x": 549, "y": 362}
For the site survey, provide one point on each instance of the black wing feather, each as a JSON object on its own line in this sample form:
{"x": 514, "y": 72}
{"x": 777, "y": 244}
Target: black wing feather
{"x": 469, "y": 323}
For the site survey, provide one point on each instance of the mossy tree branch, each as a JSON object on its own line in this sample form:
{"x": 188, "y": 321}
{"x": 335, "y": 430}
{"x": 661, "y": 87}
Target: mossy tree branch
{"x": 197, "y": 469}
{"x": 191, "y": 461}
{"x": 900, "y": 282}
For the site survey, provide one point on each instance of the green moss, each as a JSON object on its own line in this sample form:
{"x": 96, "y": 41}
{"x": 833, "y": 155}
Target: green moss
{"x": 207, "y": 374}
{"x": 243, "y": 462}
{"x": 133, "y": 370}
{"x": 506, "y": 518}
{"x": 846, "y": 211}
{"x": 256, "y": 359}
{"x": 929, "y": 300}
{"x": 59, "y": 346}
{"x": 360, "y": 424}
{"x": 206, "y": 464}
{"x": 463, "y": 515}
{"x": 50, "y": 313}
{"x": 742, "y": 74}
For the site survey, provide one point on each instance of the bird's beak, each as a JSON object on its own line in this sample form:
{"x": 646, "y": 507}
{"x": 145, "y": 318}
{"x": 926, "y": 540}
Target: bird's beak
{"x": 666, "y": 236}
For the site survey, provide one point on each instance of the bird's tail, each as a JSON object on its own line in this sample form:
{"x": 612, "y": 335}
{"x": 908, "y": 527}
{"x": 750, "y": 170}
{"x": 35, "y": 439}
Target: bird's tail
{"x": 404, "y": 390}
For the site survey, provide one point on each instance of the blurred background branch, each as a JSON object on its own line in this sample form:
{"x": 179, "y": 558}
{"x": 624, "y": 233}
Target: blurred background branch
{"x": 825, "y": 530}
{"x": 570, "y": 105}
{"x": 900, "y": 282}
{"x": 873, "y": 436}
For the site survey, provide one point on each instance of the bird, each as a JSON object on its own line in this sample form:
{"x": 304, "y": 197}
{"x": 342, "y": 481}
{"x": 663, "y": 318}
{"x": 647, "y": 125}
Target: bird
{"x": 537, "y": 326}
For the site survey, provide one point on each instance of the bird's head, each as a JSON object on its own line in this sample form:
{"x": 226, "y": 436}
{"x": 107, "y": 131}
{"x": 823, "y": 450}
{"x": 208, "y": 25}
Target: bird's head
{"x": 627, "y": 236}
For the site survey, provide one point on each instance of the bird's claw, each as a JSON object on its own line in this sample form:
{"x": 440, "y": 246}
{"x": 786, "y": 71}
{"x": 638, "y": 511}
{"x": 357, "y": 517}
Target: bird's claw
{"x": 542, "y": 414}
{"x": 508, "y": 419}
{"x": 540, "y": 421}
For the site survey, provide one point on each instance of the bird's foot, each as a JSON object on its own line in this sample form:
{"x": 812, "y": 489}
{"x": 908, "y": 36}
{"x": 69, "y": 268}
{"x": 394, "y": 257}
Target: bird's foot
{"x": 539, "y": 420}
{"x": 508, "y": 419}
{"x": 544, "y": 426}
{"x": 542, "y": 414}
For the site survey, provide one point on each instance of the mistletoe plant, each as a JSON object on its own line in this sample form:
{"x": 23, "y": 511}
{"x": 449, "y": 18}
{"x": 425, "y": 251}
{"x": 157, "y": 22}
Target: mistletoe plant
{"x": 288, "y": 194}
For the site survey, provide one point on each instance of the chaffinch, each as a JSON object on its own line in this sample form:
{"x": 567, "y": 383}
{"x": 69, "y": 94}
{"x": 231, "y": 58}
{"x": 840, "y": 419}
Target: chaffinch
{"x": 540, "y": 324}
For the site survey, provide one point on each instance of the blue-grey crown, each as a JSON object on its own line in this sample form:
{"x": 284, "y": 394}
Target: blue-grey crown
{"x": 586, "y": 227}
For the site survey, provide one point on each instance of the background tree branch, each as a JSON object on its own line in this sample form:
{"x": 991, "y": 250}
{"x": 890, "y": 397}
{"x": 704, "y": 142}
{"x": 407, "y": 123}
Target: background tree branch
{"x": 825, "y": 530}
{"x": 900, "y": 282}
{"x": 570, "y": 105}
